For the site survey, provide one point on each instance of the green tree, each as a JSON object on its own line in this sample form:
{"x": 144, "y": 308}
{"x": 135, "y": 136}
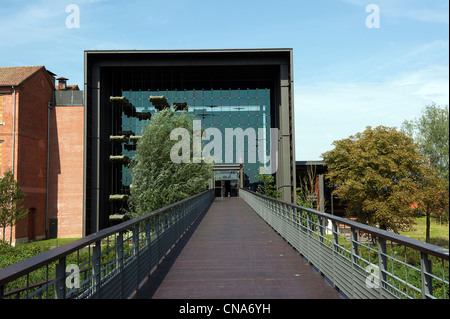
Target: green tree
{"x": 431, "y": 132}
{"x": 267, "y": 186}
{"x": 157, "y": 181}
{"x": 380, "y": 174}
{"x": 433, "y": 198}
{"x": 306, "y": 195}
{"x": 11, "y": 197}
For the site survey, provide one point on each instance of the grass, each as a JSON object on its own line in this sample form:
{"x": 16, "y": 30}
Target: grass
{"x": 50, "y": 243}
{"x": 439, "y": 234}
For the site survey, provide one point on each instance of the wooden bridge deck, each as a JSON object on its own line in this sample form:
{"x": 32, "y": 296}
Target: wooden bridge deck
{"x": 233, "y": 254}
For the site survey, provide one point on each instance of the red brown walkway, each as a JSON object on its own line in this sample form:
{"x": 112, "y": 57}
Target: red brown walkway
{"x": 232, "y": 253}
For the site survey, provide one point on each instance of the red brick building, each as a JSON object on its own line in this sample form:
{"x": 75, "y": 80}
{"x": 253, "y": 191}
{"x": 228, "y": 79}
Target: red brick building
{"x": 29, "y": 119}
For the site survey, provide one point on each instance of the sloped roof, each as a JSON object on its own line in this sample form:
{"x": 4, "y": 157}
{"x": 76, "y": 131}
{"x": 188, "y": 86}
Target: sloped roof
{"x": 15, "y": 75}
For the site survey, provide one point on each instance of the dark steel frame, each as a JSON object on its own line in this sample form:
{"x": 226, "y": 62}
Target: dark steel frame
{"x": 227, "y": 68}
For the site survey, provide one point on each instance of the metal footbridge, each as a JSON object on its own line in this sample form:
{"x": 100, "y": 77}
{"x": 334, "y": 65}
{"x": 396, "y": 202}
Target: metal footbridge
{"x": 246, "y": 247}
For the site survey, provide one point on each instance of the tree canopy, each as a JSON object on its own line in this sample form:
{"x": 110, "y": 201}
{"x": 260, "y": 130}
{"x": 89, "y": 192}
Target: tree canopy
{"x": 381, "y": 175}
{"x": 11, "y": 196}
{"x": 267, "y": 186}
{"x": 431, "y": 132}
{"x": 157, "y": 181}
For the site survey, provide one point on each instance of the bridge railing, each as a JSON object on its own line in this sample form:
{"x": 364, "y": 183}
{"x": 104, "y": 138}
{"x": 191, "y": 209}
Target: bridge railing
{"x": 110, "y": 263}
{"x": 361, "y": 261}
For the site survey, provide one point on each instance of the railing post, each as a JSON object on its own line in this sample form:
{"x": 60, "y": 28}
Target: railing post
{"x": 157, "y": 230}
{"x": 335, "y": 249}
{"x": 354, "y": 252}
{"x": 147, "y": 233}
{"x": 382, "y": 264}
{"x": 136, "y": 252}
{"x": 321, "y": 223}
{"x": 119, "y": 243}
{"x": 61, "y": 279}
{"x": 321, "y": 227}
{"x": 96, "y": 265}
{"x": 354, "y": 246}
{"x": 427, "y": 282}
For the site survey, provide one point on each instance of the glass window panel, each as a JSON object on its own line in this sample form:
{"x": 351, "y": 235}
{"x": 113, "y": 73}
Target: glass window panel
{"x": 243, "y": 101}
{"x": 243, "y": 119}
{"x": 243, "y": 93}
{"x": 217, "y": 120}
{"x": 225, "y": 93}
{"x": 189, "y": 94}
{"x": 234, "y": 119}
{"x": 234, "y": 93}
{"x": 225, "y": 120}
{"x": 225, "y": 102}
{"x": 207, "y": 102}
{"x": 198, "y": 102}
{"x": 208, "y": 94}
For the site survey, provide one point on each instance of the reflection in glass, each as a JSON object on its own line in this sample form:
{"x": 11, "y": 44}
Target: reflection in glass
{"x": 242, "y": 108}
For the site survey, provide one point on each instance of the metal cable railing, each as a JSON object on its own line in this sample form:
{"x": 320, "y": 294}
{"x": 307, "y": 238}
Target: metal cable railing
{"x": 110, "y": 263}
{"x": 361, "y": 261}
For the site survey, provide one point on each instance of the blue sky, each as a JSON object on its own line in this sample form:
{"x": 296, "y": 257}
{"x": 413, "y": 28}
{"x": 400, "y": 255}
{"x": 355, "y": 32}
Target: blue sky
{"x": 346, "y": 76}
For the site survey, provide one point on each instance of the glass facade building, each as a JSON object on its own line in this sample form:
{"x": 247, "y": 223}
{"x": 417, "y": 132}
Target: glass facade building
{"x": 223, "y": 89}
{"x": 221, "y": 109}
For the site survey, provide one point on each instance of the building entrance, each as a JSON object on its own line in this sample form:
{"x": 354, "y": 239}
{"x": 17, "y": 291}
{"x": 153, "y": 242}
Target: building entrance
{"x": 227, "y": 188}
{"x": 227, "y": 180}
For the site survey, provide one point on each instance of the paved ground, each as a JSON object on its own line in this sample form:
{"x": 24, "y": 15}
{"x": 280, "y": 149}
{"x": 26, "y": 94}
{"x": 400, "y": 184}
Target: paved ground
{"x": 232, "y": 253}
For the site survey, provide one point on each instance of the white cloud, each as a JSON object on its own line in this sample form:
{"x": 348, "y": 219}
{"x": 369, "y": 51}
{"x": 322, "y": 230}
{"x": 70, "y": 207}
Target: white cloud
{"x": 330, "y": 111}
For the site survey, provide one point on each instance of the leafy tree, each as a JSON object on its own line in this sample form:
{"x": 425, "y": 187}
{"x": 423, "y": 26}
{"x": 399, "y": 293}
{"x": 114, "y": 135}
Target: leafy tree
{"x": 431, "y": 132}
{"x": 381, "y": 175}
{"x": 306, "y": 196}
{"x": 11, "y": 197}
{"x": 433, "y": 198}
{"x": 157, "y": 181}
{"x": 267, "y": 186}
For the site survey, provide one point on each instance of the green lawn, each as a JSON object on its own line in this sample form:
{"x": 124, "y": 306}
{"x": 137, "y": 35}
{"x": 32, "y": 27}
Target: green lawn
{"x": 51, "y": 242}
{"x": 439, "y": 233}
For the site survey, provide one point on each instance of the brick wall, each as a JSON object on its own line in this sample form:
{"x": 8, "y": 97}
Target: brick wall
{"x": 65, "y": 161}
{"x": 66, "y": 170}
{"x": 32, "y": 100}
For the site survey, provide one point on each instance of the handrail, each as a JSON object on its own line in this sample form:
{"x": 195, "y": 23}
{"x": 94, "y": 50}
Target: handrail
{"x": 25, "y": 267}
{"x": 410, "y": 242}
{"x": 366, "y": 262}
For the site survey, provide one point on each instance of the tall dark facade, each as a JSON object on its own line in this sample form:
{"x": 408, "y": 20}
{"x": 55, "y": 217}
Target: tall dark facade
{"x": 223, "y": 89}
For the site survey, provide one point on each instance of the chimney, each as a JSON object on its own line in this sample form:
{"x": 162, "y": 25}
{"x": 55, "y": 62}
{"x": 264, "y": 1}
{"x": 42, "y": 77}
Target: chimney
{"x": 62, "y": 83}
